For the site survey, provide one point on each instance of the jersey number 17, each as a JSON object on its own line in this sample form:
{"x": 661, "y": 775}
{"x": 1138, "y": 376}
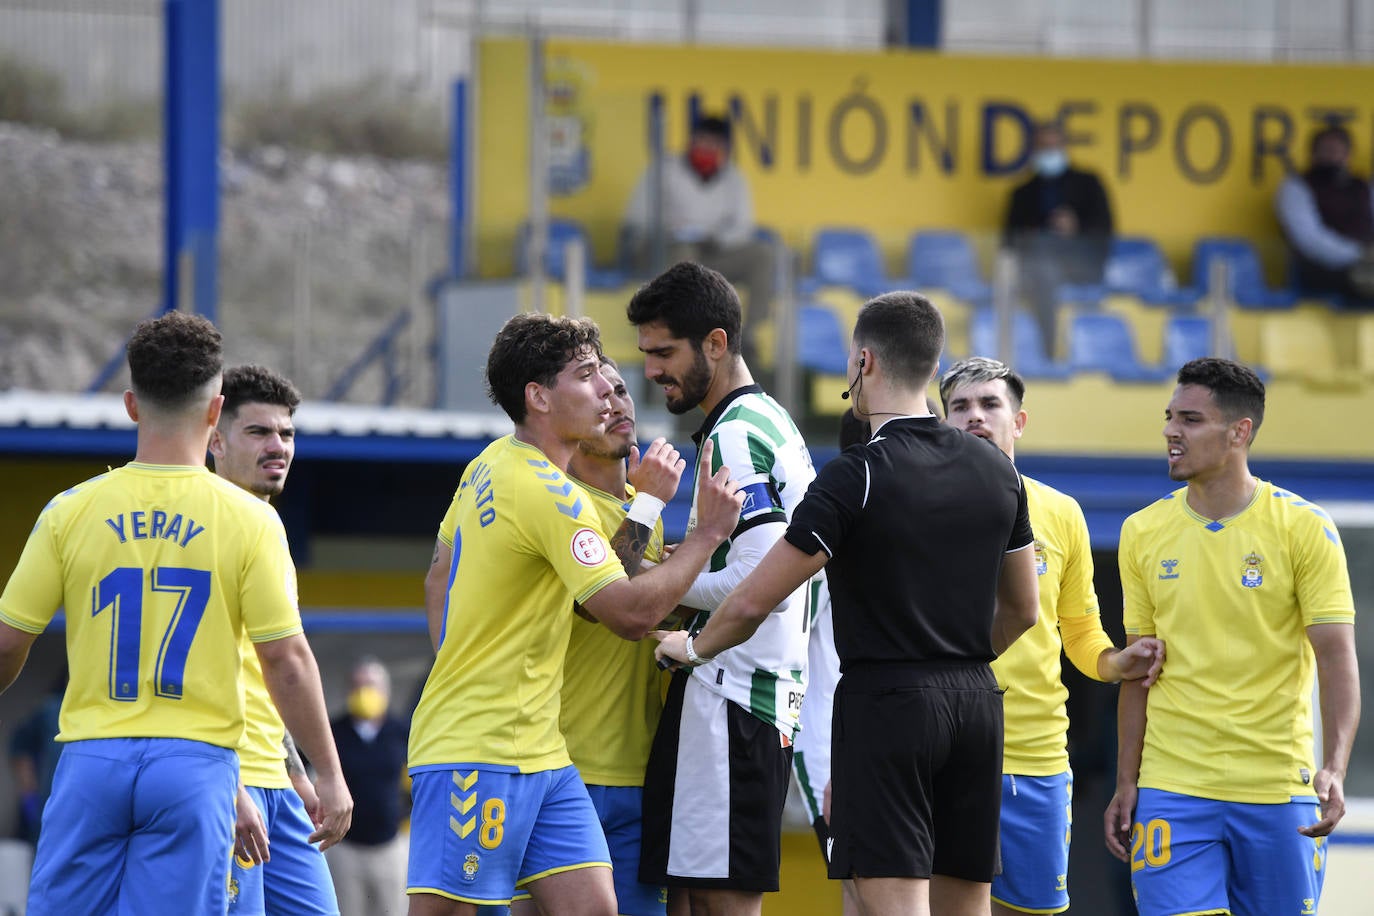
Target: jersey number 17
{"x": 122, "y": 592}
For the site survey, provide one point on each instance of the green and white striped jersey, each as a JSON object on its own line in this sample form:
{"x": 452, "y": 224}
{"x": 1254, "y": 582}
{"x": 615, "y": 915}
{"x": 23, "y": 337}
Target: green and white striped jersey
{"x": 756, "y": 438}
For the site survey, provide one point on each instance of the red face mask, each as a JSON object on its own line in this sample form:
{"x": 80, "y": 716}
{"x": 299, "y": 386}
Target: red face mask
{"x": 705, "y": 162}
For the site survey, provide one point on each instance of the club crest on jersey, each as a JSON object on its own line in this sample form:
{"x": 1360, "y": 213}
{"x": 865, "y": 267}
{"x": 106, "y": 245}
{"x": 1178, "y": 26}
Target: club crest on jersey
{"x": 233, "y": 889}
{"x": 1042, "y": 565}
{"x": 1253, "y": 576}
{"x": 470, "y": 865}
{"x": 1170, "y": 569}
{"x": 588, "y": 548}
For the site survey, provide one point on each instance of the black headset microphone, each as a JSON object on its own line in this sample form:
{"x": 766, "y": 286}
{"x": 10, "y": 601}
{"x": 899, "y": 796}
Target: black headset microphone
{"x": 845, "y": 396}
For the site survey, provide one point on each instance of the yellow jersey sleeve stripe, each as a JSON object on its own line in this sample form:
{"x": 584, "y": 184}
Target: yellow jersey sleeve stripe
{"x": 277, "y": 634}
{"x": 599, "y": 585}
{"x": 23, "y": 625}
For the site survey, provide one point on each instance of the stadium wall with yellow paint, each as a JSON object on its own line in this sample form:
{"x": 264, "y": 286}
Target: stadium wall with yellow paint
{"x": 900, "y": 140}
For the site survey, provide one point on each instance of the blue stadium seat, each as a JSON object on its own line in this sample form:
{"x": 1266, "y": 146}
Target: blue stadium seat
{"x": 822, "y": 345}
{"x": 1246, "y": 276}
{"x": 1102, "y": 342}
{"x": 1186, "y": 338}
{"x": 1029, "y": 356}
{"x": 946, "y": 260}
{"x": 562, "y": 231}
{"x": 847, "y": 257}
{"x": 1135, "y": 266}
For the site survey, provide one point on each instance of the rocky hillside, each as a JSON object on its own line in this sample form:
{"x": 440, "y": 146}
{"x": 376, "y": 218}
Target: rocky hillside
{"x": 317, "y": 254}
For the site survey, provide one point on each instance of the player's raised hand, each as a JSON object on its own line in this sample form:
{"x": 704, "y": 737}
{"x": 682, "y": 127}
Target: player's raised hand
{"x": 718, "y": 498}
{"x": 335, "y": 812}
{"x": 658, "y": 471}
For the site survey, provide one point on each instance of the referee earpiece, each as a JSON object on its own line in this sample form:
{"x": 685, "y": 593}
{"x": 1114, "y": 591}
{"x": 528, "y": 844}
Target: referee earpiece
{"x": 845, "y": 395}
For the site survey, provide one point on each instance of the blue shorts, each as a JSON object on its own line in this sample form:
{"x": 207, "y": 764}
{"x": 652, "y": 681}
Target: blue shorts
{"x": 295, "y": 879}
{"x": 1196, "y": 855}
{"x": 477, "y": 832}
{"x": 137, "y": 825}
{"x": 619, "y": 810}
{"x": 1037, "y": 814}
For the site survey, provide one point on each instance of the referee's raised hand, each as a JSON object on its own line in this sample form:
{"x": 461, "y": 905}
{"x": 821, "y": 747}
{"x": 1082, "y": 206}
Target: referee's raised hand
{"x": 718, "y": 498}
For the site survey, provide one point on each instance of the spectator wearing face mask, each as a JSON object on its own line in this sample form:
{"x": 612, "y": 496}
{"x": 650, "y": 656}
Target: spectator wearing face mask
{"x": 369, "y": 865}
{"x": 707, "y": 216}
{"x": 1060, "y": 222}
{"x": 1327, "y": 216}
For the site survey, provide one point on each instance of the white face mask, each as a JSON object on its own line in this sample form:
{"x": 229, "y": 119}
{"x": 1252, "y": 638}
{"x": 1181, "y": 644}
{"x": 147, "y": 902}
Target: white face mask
{"x": 1050, "y": 162}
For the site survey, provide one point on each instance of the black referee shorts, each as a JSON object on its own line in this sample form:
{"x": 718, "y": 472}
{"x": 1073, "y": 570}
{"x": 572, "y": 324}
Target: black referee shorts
{"x": 916, "y": 773}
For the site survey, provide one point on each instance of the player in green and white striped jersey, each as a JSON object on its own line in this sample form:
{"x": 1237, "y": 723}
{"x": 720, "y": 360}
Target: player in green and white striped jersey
{"x": 728, "y": 725}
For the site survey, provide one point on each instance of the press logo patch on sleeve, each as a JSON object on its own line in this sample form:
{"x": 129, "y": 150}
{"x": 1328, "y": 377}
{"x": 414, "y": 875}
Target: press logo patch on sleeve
{"x": 588, "y": 548}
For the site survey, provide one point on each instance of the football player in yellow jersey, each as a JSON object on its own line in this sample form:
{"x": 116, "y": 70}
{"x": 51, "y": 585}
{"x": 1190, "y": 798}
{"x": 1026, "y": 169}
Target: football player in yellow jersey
{"x": 275, "y": 868}
{"x": 161, "y": 567}
{"x": 612, "y": 688}
{"x": 498, "y": 805}
{"x": 1220, "y": 806}
{"x": 984, "y": 397}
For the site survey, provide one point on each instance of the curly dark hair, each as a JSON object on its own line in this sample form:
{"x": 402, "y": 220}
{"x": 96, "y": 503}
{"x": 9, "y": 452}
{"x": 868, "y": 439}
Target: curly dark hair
{"x": 691, "y": 301}
{"x": 534, "y": 347}
{"x": 172, "y": 357}
{"x": 258, "y": 385}
{"x": 907, "y": 333}
{"x": 1236, "y": 389}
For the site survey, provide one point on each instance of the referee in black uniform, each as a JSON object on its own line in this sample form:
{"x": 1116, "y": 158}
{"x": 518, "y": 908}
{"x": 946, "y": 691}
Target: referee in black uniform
{"x": 926, "y": 542}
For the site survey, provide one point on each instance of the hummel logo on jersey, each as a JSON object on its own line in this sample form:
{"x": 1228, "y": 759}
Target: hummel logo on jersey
{"x": 1169, "y": 567}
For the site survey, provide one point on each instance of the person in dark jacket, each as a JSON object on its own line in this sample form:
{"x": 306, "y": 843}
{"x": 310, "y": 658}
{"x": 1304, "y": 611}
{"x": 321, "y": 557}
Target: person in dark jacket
{"x": 369, "y": 866}
{"x": 1060, "y": 222}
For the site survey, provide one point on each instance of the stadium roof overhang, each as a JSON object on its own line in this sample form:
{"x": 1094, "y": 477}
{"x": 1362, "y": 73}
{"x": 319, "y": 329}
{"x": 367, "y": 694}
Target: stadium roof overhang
{"x": 1108, "y": 487}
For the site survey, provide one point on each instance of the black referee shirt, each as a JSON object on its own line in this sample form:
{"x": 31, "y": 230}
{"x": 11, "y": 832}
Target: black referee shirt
{"x": 916, "y": 523}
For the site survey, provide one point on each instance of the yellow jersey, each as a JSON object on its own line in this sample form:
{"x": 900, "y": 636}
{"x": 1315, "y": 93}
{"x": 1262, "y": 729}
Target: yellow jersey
{"x": 526, "y": 543}
{"x": 161, "y": 570}
{"x": 612, "y": 687}
{"x": 1230, "y": 718}
{"x": 1037, "y": 723}
{"x": 262, "y": 755}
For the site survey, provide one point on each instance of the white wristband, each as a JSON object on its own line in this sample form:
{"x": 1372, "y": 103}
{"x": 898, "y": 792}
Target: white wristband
{"x": 692, "y": 657}
{"x": 645, "y": 509}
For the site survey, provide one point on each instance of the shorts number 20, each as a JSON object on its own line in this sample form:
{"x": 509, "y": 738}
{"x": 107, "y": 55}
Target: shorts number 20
{"x": 1153, "y": 840}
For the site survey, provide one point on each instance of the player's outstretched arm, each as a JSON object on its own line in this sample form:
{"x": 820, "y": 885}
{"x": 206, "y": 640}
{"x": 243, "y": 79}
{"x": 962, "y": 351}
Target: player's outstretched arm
{"x": 630, "y": 608}
{"x": 436, "y": 590}
{"x": 14, "y": 651}
{"x": 1130, "y": 740}
{"x": 778, "y": 575}
{"x": 1338, "y": 674}
{"x": 293, "y": 680}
